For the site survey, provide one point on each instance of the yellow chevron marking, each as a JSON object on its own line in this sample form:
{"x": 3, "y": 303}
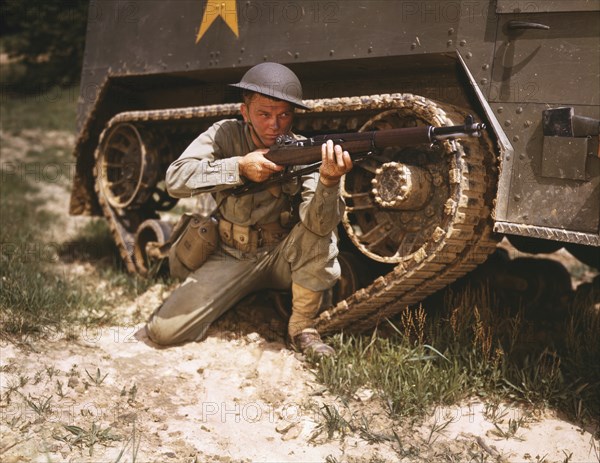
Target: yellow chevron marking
{"x": 226, "y": 9}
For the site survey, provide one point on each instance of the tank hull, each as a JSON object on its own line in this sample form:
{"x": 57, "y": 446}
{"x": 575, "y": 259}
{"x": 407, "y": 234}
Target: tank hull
{"x": 528, "y": 69}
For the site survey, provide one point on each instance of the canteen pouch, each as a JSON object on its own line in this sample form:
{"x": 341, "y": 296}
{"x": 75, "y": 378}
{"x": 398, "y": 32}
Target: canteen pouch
{"x": 197, "y": 242}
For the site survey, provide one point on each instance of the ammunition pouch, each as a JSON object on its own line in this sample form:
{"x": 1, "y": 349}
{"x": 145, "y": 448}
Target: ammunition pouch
{"x": 197, "y": 242}
{"x": 248, "y": 239}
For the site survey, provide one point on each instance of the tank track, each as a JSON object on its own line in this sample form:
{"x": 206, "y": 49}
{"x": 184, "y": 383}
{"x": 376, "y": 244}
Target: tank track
{"x": 463, "y": 240}
{"x": 458, "y": 246}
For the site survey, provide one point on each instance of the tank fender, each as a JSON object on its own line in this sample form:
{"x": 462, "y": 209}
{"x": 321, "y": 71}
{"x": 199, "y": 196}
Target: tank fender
{"x": 506, "y": 148}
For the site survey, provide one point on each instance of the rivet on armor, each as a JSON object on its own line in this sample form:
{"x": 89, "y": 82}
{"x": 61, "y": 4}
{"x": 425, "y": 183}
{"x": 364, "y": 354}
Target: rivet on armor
{"x": 331, "y": 52}
{"x": 451, "y": 31}
{"x": 469, "y": 55}
{"x": 500, "y": 109}
{"x": 517, "y": 197}
{"x": 507, "y": 122}
{"x": 527, "y": 124}
{"x": 484, "y": 81}
{"x": 485, "y": 67}
{"x": 516, "y": 138}
{"x": 463, "y": 43}
{"x": 449, "y": 43}
{"x": 519, "y": 110}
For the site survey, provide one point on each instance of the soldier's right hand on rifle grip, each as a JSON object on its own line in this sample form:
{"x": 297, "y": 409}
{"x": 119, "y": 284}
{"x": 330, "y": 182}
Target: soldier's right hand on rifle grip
{"x": 255, "y": 167}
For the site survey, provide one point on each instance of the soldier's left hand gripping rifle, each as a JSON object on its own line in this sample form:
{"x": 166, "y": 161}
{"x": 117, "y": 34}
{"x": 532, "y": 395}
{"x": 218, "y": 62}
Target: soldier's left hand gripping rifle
{"x": 288, "y": 151}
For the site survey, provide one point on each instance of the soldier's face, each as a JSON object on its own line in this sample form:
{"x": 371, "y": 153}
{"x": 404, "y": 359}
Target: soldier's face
{"x": 269, "y": 118}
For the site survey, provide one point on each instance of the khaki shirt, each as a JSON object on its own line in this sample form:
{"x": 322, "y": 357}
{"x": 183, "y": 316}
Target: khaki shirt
{"x": 211, "y": 164}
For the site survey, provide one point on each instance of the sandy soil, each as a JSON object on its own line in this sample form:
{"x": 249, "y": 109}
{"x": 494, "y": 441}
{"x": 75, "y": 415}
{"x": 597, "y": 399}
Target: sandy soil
{"x": 107, "y": 394}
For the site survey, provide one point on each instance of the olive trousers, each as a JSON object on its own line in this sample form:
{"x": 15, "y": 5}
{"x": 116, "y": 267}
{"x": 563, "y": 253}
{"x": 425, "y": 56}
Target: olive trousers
{"x": 303, "y": 257}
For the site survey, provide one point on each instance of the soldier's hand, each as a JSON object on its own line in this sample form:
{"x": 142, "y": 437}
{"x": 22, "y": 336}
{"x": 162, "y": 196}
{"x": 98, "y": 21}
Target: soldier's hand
{"x": 256, "y": 167}
{"x": 335, "y": 163}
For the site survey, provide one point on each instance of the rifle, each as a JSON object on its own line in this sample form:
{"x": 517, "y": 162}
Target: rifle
{"x": 288, "y": 151}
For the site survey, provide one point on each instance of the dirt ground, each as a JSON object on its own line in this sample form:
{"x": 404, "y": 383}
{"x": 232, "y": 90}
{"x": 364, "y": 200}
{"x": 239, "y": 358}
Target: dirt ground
{"x": 107, "y": 394}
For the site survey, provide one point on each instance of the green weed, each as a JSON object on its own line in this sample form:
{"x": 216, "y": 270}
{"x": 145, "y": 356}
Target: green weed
{"x": 97, "y": 379}
{"x": 135, "y": 442}
{"x": 80, "y": 437}
{"x": 472, "y": 348}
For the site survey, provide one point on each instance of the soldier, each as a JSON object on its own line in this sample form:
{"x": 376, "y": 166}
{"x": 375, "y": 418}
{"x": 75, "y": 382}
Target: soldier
{"x": 264, "y": 244}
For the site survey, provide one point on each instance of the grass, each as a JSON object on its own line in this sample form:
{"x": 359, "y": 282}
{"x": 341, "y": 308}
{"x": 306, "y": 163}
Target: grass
{"x": 32, "y": 295}
{"x": 80, "y": 437}
{"x": 471, "y": 348}
{"x": 51, "y": 109}
{"x": 36, "y": 296}
{"x": 42, "y": 109}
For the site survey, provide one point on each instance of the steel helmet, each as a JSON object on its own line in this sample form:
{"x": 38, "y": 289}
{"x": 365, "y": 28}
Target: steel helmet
{"x": 275, "y": 81}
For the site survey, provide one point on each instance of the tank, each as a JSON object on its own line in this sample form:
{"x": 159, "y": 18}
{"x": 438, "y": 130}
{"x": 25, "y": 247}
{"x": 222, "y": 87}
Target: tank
{"x": 155, "y": 75}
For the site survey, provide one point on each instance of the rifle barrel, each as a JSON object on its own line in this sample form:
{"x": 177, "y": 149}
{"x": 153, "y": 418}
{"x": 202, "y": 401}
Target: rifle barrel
{"x": 291, "y": 152}
{"x": 309, "y": 151}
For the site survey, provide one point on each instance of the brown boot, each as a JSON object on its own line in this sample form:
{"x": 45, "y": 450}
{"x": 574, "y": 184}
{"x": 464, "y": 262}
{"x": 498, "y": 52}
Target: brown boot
{"x": 301, "y": 331}
{"x": 308, "y": 341}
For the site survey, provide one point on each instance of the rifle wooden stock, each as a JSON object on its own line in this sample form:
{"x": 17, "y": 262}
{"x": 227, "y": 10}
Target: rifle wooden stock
{"x": 291, "y": 152}
{"x": 288, "y": 151}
